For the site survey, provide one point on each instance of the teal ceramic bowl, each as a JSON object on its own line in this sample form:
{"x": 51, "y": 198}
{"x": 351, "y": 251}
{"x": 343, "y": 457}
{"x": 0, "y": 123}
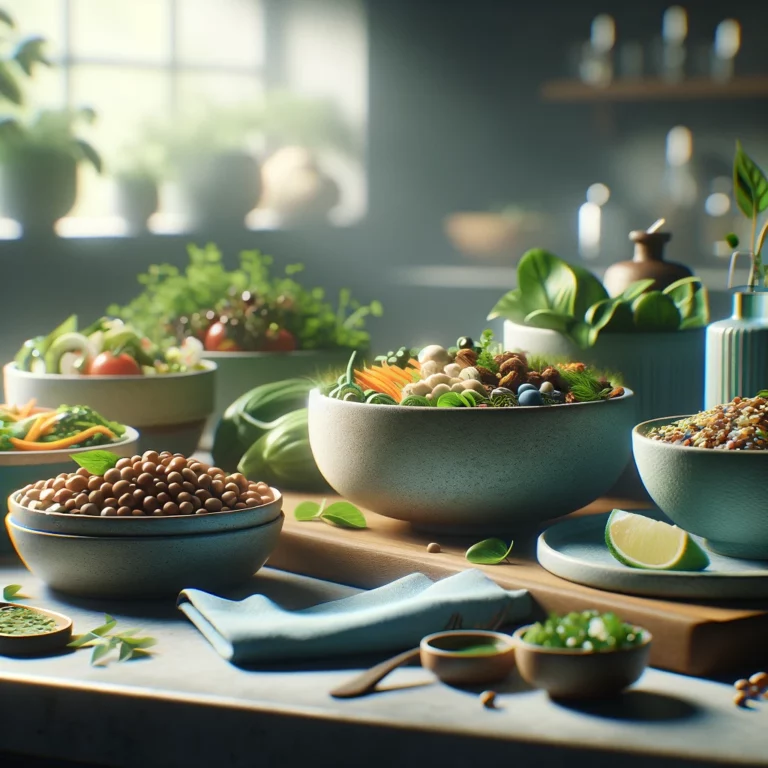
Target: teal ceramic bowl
{"x": 471, "y": 469}
{"x": 132, "y": 567}
{"x": 716, "y": 494}
{"x": 19, "y": 468}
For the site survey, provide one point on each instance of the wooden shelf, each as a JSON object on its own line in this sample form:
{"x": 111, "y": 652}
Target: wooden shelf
{"x": 575, "y": 91}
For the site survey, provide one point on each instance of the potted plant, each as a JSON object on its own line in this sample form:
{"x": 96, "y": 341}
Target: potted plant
{"x": 655, "y": 339}
{"x": 257, "y": 328}
{"x": 138, "y": 169}
{"x": 39, "y": 152}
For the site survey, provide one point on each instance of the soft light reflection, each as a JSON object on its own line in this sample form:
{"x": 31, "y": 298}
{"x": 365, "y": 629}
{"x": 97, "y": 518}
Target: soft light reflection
{"x": 589, "y": 230}
{"x": 87, "y": 226}
{"x": 599, "y": 194}
{"x": 727, "y": 39}
{"x": 675, "y": 24}
{"x": 603, "y": 33}
{"x": 679, "y": 146}
{"x": 717, "y": 204}
{"x": 9, "y": 229}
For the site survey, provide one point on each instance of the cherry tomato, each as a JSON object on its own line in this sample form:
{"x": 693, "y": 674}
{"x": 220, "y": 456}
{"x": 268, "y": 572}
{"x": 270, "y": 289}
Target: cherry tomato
{"x": 280, "y": 341}
{"x": 107, "y": 364}
{"x": 216, "y": 339}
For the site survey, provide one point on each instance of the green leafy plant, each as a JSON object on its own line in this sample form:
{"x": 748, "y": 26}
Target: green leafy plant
{"x": 104, "y": 641}
{"x": 555, "y": 295}
{"x": 489, "y": 552}
{"x": 750, "y": 190}
{"x": 12, "y": 592}
{"x": 19, "y": 58}
{"x": 342, "y": 514}
{"x": 96, "y": 462}
{"x": 585, "y": 630}
{"x": 175, "y": 303}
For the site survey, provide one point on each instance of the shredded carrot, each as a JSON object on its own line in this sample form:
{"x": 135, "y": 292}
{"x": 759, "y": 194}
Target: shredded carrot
{"x": 370, "y": 381}
{"x": 48, "y": 424}
{"x": 382, "y": 381}
{"x": 26, "y": 410}
{"x": 397, "y": 373}
{"x": 67, "y": 442}
{"x": 35, "y": 431}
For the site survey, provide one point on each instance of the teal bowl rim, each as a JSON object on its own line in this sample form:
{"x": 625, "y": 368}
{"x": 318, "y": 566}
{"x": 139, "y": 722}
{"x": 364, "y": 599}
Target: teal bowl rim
{"x": 639, "y": 432}
{"x": 517, "y": 636}
{"x": 628, "y": 393}
{"x": 10, "y": 522}
{"x": 209, "y": 367}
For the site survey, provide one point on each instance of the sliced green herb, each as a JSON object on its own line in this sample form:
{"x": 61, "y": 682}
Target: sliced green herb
{"x": 104, "y": 641}
{"x": 342, "y": 514}
{"x": 489, "y": 552}
{"x": 20, "y": 620}
{"x": 585, "y": 630}
{"x": 12, "y": 592}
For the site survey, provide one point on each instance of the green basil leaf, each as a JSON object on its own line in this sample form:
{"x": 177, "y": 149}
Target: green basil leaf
{"x": 451, "y": 400}
{"x": 636, "y": 289}
{"x": 510, "y": 307}
{"x": 589, "y": 290}
{"x": 546, "y": 282}
{"x": 489, "y": 552}
{"x": 656, "y": 311}
{"x": 100, "y": 651}
{"x": 583, "y": 335}
{"x": 546, "y": 318}
{"x": 138, "y": 642}
{"x": 126, "y": 652}
{"x": 109, "y": 624}
{"x": 610, "y": 315}
{"x": 306, "y": 510}
{"x": 344, "y": 515}
{"x": 692, "y": 301}
{"x": 96, "y": 462}
{"x": 474, "y": 396}
{"x": 750, "y": 185}
{"x": 82, "y": 641}
{"x": 13, "y": 592}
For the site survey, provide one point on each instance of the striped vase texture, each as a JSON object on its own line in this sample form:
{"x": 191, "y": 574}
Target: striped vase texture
{"x": 737, "y": 351}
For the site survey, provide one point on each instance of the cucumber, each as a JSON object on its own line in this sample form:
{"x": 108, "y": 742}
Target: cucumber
{"x": 67, "y": 342}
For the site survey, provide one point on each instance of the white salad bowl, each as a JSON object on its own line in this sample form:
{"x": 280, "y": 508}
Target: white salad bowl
{"x": 19, "y": 468}
{"x": 169, "y": 410}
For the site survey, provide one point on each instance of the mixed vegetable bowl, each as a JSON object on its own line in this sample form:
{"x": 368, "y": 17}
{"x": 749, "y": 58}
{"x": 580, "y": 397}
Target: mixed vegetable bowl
{"x": 108, "y": 347}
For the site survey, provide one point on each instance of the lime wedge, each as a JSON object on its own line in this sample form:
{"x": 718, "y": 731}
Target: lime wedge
{"x": 639, "y": 542}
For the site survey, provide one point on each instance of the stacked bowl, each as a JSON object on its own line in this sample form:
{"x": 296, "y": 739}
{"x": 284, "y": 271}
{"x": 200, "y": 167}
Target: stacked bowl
{"x": 153, "y": 553}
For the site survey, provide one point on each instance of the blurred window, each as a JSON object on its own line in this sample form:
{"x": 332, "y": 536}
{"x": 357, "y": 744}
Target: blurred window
{"x": 150, "y": 67}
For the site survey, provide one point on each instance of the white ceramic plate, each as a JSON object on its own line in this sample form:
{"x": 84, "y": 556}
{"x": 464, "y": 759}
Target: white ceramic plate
{"x": 575, "y": 550}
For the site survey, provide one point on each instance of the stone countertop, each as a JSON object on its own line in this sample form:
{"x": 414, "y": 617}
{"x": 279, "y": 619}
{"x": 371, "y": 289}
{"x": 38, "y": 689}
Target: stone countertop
{"x": 187, "y": 706}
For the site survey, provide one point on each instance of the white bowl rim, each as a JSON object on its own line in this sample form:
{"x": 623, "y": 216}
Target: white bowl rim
{"x": 519, "y": 642}
{"x": 628, "y": 335}
{"x": 639, "y": 430}
{"x": 278, "y": 498}
{"x": 208, "y": 367}
{"x": 255, "y": 354}
{"x": 165, "y": 536}
{"x": 627, "y": 394}
{"x": 131, "y": 436}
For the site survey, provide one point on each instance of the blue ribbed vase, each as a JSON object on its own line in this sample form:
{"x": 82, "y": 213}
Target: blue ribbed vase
{"x": 737, "y": 351}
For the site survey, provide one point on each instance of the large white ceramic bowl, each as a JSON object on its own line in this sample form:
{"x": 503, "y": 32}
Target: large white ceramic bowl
{"x": 19, "y": 468}
{"x": 169, "y": 410}
{"x": 144, "y": 566}
{"x": 471, "y": 469}
{"x": 239, "y": 372}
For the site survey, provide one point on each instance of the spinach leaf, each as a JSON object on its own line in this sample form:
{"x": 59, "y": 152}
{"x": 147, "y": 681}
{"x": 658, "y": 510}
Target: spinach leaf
{"x": 546, "y": 282}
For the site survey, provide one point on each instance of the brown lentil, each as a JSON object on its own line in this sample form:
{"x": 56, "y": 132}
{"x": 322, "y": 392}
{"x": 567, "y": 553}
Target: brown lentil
{"x": 741, "y": 425}
{"x": 488, "y": 699}
{"x": 434, "y": 547}
{"x": 150, "y": 485}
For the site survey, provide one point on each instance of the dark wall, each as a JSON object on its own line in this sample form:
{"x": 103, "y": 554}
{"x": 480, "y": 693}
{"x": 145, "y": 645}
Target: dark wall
{"x": 456, "y": 123}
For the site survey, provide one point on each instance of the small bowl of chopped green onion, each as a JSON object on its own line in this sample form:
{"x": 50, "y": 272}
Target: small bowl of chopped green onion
{"x": 582, "y": 655}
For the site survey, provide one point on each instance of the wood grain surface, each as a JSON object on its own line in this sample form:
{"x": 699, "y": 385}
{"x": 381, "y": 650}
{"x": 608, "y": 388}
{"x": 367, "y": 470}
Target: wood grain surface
{"x": 695, "y": 639}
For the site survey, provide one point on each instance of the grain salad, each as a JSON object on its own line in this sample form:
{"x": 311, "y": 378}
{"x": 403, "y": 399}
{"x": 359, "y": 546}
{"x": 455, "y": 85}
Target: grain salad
{"x": 741, "y": 425}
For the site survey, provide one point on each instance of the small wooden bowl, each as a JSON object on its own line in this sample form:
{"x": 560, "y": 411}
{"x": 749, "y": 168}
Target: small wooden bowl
{"x": 38, "y": 644}
{"x": 566, "y": 673}
{"x": 446, "y": 655}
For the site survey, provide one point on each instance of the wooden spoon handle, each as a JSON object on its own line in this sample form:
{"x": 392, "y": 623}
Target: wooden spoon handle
{"x": 367, "y": 681}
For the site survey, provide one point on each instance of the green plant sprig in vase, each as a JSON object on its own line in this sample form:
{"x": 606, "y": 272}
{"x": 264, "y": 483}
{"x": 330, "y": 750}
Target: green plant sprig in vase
{"x": 556, "y": 295}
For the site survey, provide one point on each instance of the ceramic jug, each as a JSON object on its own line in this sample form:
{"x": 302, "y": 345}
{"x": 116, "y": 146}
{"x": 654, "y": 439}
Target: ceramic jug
{"x": 647, "y": 263}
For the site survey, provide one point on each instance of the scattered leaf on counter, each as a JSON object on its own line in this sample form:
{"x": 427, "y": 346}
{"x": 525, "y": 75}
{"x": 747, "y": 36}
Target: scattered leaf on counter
{"x": 489, "y": 552}
{"x": 102, "y": 642}
{"x": 13, "y": 592}
{"x": 96, "y": 462}
{"x": 342, "y": 514}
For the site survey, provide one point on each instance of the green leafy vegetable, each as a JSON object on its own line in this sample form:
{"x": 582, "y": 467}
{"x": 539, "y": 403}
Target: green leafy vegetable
{"x": 489, "y": 552}
{"x": 12, "y": 592}
{"x": 103, "y": 641}
{"x": 656, "y": 311}
{"x": 586, "y": 631}
{"x": 342, "y": 514}
{"x": 96, "y": 462}
{"x": 454, "y": 400}
{"x": 637, "y": 288}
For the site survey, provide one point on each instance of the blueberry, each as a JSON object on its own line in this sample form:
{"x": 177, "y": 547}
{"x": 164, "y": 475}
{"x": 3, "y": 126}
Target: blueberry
{"x": 526, "y": 388}
{"x": 530, "y": 397}
{"x": 464, "y": 342}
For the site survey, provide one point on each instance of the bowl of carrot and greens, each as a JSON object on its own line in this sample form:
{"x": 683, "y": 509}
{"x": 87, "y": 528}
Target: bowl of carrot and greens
{"x": 32, "y": 438}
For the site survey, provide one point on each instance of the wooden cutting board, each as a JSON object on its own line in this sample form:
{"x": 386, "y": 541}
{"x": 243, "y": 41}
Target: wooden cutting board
{"x": 693, "y": 639}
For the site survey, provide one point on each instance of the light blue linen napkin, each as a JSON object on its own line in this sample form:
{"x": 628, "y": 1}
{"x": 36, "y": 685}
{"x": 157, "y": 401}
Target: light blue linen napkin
{"x": 390, "y": 618}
